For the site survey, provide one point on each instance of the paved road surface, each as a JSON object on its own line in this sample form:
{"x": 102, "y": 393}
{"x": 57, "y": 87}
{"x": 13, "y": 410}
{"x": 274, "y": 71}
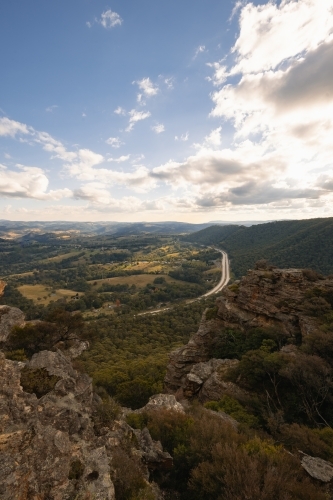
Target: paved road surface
{"x": 225, "y": 275}
{"x": 225, "y": 278}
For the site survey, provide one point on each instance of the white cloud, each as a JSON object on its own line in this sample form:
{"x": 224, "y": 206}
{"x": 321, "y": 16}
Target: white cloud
{"x": 136, "y": 116}
{"x": 214, "y": 138}
{"x": 11, "y": 128}
{"x": 169, "y": 82}
{"x": 159, "y": 128}
{"x": 101, "y": 201}
{"x": 121, "y": 159}
{"x": 28, "y": 182}
{"x": 183, "y": 137}
{"x": 50, "y": 109}
{"x": 272, "y": 33}
{"x": 199, "y": 50}
{"x": 109, "y": 19}
{"x": 147, "y": 87}
{"x": 220, "y": 73}
{"x": 281, "y": 107}
{"x": 120, "y": 111}
{"x": 115, "y": 142}
{"x": 238, "y": 5}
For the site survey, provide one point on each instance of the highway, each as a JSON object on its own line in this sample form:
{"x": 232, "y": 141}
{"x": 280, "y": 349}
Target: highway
{"x": 225, "y": 275}
{"x": 225, "y": 278}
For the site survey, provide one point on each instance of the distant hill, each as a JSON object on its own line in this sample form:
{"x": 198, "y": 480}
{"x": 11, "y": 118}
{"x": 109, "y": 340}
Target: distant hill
{"x": 299, "y": 243}
{"x": 17, "y": 229}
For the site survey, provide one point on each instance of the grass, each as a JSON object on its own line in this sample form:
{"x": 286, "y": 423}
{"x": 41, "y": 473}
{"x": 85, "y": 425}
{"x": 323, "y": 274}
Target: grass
{"x": 42, "y": 294}
{"x": 140, "y": 280}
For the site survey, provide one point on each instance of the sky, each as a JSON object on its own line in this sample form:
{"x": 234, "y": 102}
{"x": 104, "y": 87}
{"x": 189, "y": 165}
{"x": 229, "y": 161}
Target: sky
{"x": 151, "y": 110}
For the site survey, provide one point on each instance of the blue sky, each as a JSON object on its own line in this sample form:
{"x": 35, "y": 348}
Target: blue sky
{"x": 152, "y": 110}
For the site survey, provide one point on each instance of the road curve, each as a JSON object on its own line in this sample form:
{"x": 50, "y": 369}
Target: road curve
{"x": 225, "y": 278}
{"x": 225, "y": 274}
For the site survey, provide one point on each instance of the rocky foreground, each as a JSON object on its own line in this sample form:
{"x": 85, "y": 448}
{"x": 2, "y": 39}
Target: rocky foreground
{"x": 53, "y": 444}
{"x": 264, "y": 298}
{"x": 50, "y": 446}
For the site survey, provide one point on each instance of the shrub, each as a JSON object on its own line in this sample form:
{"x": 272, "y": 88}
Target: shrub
{"x": 105, "y": 413}
{"x": 211, "y": 313}
{"x": 233, "y": 408}
{"x": 17, "y": 355}
{"x": 76, "y": 469}
{"x": 128, "y": 477}
{"x": 38, "y": 381}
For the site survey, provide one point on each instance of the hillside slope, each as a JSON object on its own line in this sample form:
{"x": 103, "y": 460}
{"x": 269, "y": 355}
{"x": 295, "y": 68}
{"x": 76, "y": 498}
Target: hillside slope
{"x": 299, "y": 243}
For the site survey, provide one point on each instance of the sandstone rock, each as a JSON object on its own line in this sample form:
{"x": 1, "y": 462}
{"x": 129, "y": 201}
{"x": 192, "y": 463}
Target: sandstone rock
{"x": 9, "y": 317}
{"x": 318, "y": 468}
{"x": 48, "y": 445}
{"x": 162, "y": 401}
{"x": 201, "y": 373}
{"x": 266, "y": 297}
{"x": 41, "y": 438}
{"x": 152, "y": 452}
{"x": 215, "y": 387}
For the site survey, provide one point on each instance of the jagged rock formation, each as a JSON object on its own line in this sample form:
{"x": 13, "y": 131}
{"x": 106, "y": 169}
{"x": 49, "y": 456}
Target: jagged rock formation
{"x": 162, "y": 401}
{"x": 9, "y": 317}
{"x": 49, "y": 446}
{"x": 265, "y": 297}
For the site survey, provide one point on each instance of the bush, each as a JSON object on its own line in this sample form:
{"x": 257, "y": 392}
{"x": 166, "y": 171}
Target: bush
{"x": 128, "y": 477}
{"x": 37, "y": 381}
{"x": 105, "y": 413}
{"x": 233, "y": 408}
{"x": 211, "y": 313}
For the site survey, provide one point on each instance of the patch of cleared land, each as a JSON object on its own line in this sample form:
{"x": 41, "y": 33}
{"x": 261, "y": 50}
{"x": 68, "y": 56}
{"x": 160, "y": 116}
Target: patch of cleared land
{"x": 140, "y": 280}
{"x": 43, "y": 295}
{"x": 61, "y": 257}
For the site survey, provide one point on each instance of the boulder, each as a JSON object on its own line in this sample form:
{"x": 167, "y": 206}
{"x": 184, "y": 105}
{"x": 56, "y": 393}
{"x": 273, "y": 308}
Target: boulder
{"x": 318, "y": 468}
{"x": 9, "y": 317}
{"x": 162, "y": 401}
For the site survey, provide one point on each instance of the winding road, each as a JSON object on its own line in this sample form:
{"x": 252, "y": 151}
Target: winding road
{"x": 225, "y": 278}
{"x": 225, "y": 275}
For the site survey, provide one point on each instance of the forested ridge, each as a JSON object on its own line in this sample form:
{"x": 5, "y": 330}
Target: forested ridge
{"x": 299, "y": 244}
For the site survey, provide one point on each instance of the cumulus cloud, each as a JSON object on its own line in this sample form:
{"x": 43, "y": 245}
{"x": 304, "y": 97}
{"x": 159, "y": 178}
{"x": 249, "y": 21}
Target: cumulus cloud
{"x": 136, "y": 116}
{"x": 28, "y": 182}
{"x": 101, "y": 200}
{"x": 214, "y": 138}
{"x": 82, "y": 164}
{"x": 11, "y": 127}
{"x": 159, "y": 128}
{"x": 273, "y": 33}
{"x": 147, "y": 87}
{"x": 281, "y": 105}
{"x": 121, "y": 159}
{"x": 120, "y": 111}
{"x": 183, "y": 137}
{"x": 115, "y": 142}
{"x": 109, "y": 19}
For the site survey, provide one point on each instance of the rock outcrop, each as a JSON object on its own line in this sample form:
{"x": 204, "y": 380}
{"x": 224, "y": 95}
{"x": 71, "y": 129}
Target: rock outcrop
{"x": 264, "y": 298}
{"x": 49, "y": 447}
{"x": 162, "y": 401}
{"x": 9, "y": 317}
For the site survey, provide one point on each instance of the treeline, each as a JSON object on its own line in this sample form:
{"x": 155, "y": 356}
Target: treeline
{"x": 299, "y": 243}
